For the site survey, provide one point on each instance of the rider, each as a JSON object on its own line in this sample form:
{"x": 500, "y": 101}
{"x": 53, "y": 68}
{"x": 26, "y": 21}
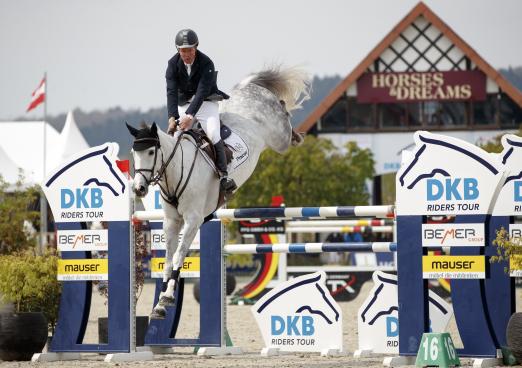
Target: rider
{"x": 192, "y": 93}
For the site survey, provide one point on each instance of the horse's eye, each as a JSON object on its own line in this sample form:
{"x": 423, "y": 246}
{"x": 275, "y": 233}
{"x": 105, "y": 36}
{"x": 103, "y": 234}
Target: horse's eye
{"x": 151, "y": 152}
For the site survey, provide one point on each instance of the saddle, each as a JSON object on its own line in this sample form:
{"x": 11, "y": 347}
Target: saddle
{"x": 205, "y": 144}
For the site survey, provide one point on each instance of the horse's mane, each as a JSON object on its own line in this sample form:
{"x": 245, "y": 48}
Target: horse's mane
{"x": 292, "y": 84}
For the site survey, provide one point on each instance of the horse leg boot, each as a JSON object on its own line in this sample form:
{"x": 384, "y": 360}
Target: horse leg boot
{"x": 171, "y": 227}
{"x": 166, "y": 298}
{"x": 226, "y": 184}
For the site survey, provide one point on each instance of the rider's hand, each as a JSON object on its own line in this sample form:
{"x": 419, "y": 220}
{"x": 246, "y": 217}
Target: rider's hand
{"x": 172, "y": 126}
{"x": 185, "y": 123}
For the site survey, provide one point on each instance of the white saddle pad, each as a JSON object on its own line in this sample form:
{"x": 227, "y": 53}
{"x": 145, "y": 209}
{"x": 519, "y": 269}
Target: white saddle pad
{"x": 239, "y": 151}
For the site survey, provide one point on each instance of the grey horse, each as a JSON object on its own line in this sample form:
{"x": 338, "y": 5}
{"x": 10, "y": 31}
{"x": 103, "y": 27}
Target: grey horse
{"x": 257, "y": 112}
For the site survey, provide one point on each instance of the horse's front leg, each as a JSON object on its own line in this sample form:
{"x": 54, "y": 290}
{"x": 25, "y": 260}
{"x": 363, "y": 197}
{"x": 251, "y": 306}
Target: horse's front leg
{"x": 190, "y": 229}
{"x": 171, "y": 228}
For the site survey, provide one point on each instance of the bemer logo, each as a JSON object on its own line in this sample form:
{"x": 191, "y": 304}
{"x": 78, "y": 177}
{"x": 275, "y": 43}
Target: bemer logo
{"x": 442, "y": 234}
{"x": 72, "y": 240}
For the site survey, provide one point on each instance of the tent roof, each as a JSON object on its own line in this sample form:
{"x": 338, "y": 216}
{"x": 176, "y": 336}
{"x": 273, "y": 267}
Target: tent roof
{"x": 71, "y": 139}
{"x": 23, "y": 142}
{"x": 9, "y": 170}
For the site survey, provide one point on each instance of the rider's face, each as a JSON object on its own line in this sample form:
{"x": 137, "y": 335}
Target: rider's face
{"x": 188, "y": 54}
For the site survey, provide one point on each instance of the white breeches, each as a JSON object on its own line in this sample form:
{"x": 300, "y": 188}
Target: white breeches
{"x": 208, "y": 117}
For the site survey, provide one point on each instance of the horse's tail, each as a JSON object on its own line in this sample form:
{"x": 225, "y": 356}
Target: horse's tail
{"x": 291, "y": 84}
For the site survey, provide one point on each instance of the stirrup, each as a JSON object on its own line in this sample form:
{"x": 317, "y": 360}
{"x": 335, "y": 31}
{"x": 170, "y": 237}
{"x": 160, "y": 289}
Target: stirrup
{"x": 227, "y": 185}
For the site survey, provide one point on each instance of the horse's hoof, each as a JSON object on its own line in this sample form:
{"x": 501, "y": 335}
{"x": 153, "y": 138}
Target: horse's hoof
{"x": 167, "y": 301}
{"x": 297, "y": 138}
{"x": 158, "y": 313}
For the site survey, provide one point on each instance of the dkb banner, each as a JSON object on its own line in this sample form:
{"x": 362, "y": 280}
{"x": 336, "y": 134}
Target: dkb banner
{"x": 300, "y": 315}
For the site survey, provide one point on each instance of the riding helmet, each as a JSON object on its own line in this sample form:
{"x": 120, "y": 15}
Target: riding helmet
{"x": 186, "y": 38}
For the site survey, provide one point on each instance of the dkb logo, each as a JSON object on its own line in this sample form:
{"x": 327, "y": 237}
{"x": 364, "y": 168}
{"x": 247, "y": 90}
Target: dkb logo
{"x": 300, "y": 315}
{"x": 517, "y": 192}
{"x": 81, "y": 198}
{"x": 452, "y": 189}
{"x": 292, "y": 326}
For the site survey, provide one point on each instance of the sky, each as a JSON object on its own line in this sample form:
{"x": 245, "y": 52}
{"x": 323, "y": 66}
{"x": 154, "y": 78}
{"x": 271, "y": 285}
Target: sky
{"x": 100, "y": 54}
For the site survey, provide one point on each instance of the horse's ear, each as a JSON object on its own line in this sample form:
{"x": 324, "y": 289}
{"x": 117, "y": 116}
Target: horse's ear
{"x": 154, "y": 129}
{"x": 133, "y": 131}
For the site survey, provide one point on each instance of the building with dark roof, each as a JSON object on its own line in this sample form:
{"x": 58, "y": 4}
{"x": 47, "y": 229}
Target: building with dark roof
{"x": 421, "y": 76}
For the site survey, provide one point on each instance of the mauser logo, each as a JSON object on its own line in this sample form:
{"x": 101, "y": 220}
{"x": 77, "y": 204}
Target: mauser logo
{"x": 81, "y": 198}
{"x": 191, "y": 267}
{"x": 453, "y": 267}
{"x": 82, "y": 240}
{"x": 449, "y": 265}
{"x": 453, "y": 235}
{"x": 82, "y": 269}
{"x": 300, "y": 315}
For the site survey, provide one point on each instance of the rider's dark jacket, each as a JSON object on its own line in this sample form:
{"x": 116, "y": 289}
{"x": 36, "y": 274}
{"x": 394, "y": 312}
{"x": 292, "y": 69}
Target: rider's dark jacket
{"x": 181, "y": 87}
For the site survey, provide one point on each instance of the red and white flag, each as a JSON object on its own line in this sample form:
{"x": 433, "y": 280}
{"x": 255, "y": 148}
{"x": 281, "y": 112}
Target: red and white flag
{"x": 38, "y": 96}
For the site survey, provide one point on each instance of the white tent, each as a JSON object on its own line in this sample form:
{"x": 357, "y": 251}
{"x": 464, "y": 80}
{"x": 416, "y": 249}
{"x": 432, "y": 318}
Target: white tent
{"x": 9, "y": 170}
{"x": 23, "y": 141}
{"x": 71, "y": 139}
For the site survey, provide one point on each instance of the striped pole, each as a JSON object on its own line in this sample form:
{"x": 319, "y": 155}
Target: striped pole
{"x": 340, "y": 229}
{"x": 377, "y": 247}
{"x": 284, "y": 213}
{"x": 361, "y": 222}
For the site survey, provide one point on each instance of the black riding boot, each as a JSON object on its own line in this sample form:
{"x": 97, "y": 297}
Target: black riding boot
{"x": 228, "y": 185}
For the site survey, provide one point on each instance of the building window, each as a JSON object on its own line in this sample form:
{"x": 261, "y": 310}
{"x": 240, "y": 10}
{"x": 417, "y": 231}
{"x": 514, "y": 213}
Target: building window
{"x": 485, "y": 112}
{"x": 510, "y": 114}
{"x": 445, "y": 114}
{"x": 414, "y": 114}
{"x": 335, "y": 120}
{"x": 360, "y": 115}
{"x": 391, "y": 115}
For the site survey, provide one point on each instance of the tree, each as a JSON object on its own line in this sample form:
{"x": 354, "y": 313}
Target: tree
{"x": 508, "y": 248}
{"x": 15, "y": 212}
{"x": 313, "y": 174}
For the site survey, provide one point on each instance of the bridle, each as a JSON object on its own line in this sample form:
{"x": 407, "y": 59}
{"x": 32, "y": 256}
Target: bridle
{"x": 154, "y": 179}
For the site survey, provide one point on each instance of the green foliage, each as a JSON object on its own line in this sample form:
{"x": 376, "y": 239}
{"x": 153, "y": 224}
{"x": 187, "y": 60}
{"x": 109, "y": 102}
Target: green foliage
{"x": 15, "y": 202}
{"x": 508, "y": 249}
{"x": 313, "y": 174}
{"x": 140, "y": 254}
{"x": 494, "y": 145}
{"x": 30, "y": 283}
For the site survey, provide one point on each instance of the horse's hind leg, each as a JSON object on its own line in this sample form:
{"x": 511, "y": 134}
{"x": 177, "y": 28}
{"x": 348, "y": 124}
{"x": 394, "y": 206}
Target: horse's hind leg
{"x": 171, "y": 227}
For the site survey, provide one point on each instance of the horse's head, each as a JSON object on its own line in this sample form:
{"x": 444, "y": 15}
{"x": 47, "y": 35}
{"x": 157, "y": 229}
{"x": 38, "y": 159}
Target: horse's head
{"x": 382, "y": 300}
{"x": 145, "y": 151}
{"x": 304, "y": 295}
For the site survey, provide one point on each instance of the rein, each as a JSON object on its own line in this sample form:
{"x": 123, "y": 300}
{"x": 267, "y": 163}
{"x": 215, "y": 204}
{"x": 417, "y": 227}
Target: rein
{"x": 173, "y": 199}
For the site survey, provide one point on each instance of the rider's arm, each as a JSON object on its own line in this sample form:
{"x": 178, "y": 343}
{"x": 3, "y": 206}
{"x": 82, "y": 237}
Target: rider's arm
{"x": 172, "y": 90}
{"x": 204, "y": 87}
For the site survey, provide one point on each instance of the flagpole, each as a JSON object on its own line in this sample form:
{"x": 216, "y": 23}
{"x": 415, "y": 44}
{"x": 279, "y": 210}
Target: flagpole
{"x": 43, "y": 200}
